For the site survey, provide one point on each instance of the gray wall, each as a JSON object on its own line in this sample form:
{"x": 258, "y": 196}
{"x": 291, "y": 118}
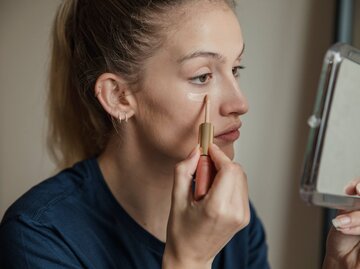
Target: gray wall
{"x": 285, "y": 43}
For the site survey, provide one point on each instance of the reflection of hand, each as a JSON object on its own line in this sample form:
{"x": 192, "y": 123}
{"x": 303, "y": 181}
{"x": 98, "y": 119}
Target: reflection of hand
{"x": 353, "y": 188}
{"x": 198, "y": 230}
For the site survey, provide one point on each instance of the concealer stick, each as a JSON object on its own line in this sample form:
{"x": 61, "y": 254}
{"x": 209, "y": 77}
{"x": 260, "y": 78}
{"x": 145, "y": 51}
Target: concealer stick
{"x": 205, "y": 170}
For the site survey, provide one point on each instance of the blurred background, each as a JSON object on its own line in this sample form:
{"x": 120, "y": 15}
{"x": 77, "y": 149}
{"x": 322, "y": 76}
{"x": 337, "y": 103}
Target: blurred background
{"x": 285, "y": 44}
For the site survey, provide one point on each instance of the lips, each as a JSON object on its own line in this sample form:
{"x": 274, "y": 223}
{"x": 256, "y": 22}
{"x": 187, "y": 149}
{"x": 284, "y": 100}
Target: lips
{"x": 231, "y": 133}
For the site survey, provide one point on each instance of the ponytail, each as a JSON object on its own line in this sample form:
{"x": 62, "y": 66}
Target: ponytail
{"x": 74, "y": 132}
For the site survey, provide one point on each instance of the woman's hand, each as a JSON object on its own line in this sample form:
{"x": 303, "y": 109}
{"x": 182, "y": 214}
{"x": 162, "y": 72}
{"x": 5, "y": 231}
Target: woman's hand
{"x": 343, "y": 244}
{"x": 198, "y": 230}
{"x": 353, "y": 188}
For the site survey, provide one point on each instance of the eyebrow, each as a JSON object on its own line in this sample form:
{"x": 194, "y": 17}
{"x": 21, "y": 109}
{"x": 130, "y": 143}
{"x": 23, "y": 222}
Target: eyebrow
{"x": 207, "y": 54}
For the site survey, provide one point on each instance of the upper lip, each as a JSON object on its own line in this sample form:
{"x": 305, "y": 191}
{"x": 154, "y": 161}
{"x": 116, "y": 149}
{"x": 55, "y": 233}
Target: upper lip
{"x": 232, "y": 127}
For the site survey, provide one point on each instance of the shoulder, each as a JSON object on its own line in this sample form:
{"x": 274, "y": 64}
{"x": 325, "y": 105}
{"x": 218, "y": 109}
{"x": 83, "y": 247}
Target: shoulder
{"x": 26, "y": 243}
{"x": 255, "y": 224}
{"x": 29, "y": 228}
{"x": 48, "y": 194}
{"x": 258, "y": 249}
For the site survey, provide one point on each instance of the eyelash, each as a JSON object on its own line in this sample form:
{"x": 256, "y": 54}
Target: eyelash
{"x": 208, "y": 76}
{"x": 237, "y": 68}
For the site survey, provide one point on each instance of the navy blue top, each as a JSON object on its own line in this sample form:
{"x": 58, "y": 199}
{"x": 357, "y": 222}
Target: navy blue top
{"x": 72, "y": 220}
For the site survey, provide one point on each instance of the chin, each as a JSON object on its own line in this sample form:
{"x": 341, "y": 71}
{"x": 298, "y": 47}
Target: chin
{"x": 228, "y": 150}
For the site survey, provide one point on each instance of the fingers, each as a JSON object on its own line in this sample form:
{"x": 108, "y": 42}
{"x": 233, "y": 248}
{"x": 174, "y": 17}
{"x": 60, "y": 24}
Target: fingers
{"x": 183, "y": 176}
{"x": 221, "y": 185}
{"x": 348, "y": 223}
{"x": 230, "y": 177}
{"x": 353, "y": 188}
{"x": 218, "y": 157}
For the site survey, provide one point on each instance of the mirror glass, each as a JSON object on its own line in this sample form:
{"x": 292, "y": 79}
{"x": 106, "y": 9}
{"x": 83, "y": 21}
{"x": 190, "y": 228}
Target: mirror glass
{"x": 332, "y": 161}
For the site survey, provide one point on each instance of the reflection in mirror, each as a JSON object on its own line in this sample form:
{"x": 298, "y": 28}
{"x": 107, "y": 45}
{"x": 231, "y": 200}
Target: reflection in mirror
{"x": 331, "y": 175}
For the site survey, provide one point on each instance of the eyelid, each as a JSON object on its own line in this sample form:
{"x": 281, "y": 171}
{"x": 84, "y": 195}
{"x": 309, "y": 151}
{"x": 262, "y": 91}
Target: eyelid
{"x": 236, "y": 69}
{"x": 208, "y": 74}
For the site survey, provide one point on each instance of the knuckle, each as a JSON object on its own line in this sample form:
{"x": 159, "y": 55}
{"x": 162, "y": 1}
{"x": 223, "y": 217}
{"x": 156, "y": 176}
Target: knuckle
{"x": 247, "y": 219}
{"x": 242, "y": 219}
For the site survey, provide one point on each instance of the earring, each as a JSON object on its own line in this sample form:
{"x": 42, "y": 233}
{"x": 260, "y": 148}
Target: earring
{"x": 119, "y": 117}
{"x": 125, "y": 115}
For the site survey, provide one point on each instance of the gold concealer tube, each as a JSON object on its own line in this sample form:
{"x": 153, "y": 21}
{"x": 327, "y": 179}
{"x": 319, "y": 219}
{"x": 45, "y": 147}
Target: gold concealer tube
{"x": 205, "y": 170}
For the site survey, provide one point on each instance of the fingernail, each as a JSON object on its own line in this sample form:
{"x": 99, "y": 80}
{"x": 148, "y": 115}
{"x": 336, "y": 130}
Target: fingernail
{"x": 341, "y": 221}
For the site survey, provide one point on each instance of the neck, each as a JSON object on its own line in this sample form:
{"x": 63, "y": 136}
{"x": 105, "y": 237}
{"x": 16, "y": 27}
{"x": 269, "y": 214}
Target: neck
{"x": 141, "y": 182}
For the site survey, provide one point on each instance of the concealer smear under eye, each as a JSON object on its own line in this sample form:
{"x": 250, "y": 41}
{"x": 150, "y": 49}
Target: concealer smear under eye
{"x": 199, "y": 95}
{"x": 196, "y": 97}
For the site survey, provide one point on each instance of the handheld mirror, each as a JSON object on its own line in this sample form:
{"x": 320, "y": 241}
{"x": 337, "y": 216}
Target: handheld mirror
{"x": 332, "y": 157}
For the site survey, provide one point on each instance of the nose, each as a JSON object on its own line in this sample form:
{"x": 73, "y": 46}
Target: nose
{"x": 233, "y": 101}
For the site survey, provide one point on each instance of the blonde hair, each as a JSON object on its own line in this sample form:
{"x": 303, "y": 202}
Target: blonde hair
{"x": 90, "y": 38}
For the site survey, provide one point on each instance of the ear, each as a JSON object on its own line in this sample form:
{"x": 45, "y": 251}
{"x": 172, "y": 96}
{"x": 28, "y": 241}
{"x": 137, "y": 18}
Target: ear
{"x": 114, "y": 95}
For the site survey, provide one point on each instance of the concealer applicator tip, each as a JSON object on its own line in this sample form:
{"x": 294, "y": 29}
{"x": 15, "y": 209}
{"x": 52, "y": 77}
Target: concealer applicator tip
{"x": 207, "y": 108}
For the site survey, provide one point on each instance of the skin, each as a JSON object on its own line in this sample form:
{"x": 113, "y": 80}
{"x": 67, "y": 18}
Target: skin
{"x": 343, "y": 243}
{"x": 162, "y": 127}
{"x": 148, "y": 168}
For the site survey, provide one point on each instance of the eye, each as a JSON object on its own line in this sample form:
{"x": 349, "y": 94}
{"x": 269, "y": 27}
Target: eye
{"x": 236, "y": 70}
{"x": 202, "y": 79}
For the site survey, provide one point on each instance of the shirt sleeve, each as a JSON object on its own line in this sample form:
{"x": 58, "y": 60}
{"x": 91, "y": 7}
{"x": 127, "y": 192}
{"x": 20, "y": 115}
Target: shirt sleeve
{"x": 25, "y": 243}
{"x": 258, "y": 250}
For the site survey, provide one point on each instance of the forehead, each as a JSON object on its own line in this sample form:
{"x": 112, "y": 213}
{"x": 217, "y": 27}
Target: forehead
{"x": 212, "y": 27}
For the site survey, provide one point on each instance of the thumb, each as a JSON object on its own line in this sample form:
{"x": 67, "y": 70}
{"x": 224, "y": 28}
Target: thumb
{"x": 183, "y": 176}
{"x": 353, "y": 188}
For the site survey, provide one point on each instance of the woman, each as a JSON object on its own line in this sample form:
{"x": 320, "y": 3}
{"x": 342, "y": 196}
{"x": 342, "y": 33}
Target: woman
{"x": 127, "y": 84}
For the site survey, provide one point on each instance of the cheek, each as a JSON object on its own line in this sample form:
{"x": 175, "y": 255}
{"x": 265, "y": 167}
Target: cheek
{"x": 171, "y": 123}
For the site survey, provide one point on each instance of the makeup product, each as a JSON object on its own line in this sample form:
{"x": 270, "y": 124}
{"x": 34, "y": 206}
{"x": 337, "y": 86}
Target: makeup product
{"x": 205, "y": 170}
{"x": 197, "y": 97}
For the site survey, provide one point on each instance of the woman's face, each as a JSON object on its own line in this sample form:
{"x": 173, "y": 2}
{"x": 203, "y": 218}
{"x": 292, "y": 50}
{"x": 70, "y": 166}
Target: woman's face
{"x": 201, "y": 56}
